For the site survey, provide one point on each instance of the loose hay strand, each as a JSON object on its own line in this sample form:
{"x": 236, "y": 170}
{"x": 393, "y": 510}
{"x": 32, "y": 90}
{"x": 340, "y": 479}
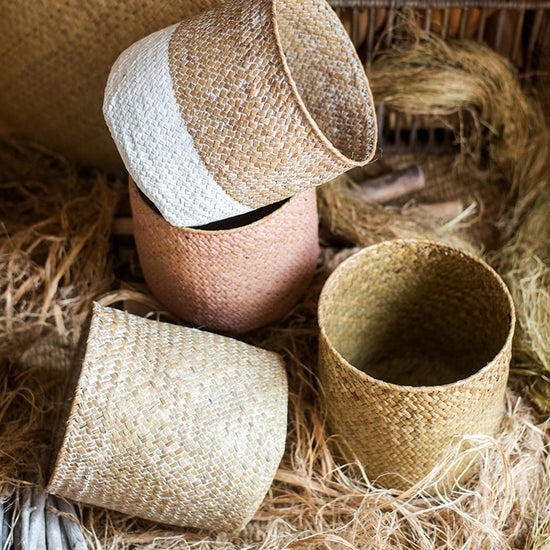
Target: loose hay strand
{"x": 54, "y": 244}
{"x": 525, "y": 265}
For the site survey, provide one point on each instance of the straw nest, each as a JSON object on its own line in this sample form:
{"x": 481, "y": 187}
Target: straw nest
{"x": 475, "y": 93}
{"x": 55, "y": 258}
{"x": 54, "y": 246}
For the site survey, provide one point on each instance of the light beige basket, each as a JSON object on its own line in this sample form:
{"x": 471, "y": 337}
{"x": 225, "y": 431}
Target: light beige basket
{"x": 239, "y": 107}
{"x": 230, "y": 279}
{"x": 415, "y": 346}
{"x": 170, "y": 423}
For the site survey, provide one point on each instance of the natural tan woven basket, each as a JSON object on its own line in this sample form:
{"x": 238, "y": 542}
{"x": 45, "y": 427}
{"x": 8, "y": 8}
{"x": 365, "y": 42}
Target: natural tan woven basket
{"x": 415, "y": 345}
{"x": 239, "y": 107}
{"x": 232, "y": 280}
{"x": 170, "y": 423}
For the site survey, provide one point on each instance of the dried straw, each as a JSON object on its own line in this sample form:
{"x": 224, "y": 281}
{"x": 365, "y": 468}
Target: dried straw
{"x": 346, "y": 219}
{"x": 314, "y": 502}
{"x": 317, "y": 503}
{"x": 54, "y": 244}
{"x": 476, "y": 93}
{"x": 525, "y": 265}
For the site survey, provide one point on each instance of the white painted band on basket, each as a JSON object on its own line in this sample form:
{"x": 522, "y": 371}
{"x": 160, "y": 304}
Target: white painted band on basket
{"x": 239, "y": 107}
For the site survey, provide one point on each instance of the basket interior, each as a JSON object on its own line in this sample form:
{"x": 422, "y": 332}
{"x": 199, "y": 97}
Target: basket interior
{"x": 416, "y": 314}
{"x": 327, "y": 75}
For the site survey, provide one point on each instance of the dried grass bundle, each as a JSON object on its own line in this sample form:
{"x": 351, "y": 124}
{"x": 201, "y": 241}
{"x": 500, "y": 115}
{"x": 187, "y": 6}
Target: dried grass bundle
{"x": 524, "y": 262}
{"x": 347, "y": 219}
{"x": 477, "y": 94}
{"x": 54, "y": 244}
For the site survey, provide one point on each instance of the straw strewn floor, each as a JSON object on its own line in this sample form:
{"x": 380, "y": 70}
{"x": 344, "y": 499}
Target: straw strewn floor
{"x": 314, "y": 502}
{"x": 57, "y": 253}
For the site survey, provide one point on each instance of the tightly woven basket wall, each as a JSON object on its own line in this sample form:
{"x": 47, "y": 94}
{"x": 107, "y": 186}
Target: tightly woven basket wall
{"x": 170, "y": 423}
{"x": 232, "y": 280}
{"x": 415, "y": 347}
{"x": 240, "y": 107}
{"x": 56, "y": 57}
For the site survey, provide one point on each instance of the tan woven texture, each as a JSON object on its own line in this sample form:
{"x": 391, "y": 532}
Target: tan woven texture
{"x": 240, "y": 107}
{"x": 415, "y": 347}
{"x": 56, "y": 56}
{"x": 232, "y": 280}
{"x": 276, "y": 101}
{"x": 171, "y": 424}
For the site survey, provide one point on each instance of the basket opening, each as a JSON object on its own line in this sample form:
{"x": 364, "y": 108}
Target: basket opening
{"x": 327, "y": 76}
{"x": 226, "y": 224}
{"x": 417, "y": 316}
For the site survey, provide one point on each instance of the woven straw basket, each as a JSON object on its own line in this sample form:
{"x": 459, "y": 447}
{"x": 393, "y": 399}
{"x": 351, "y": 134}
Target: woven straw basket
{"x": 415, "y": 346}
{"x": 170, "y": 423}
{"x": 240, "y": 107}
{"x": 56, "y": 57}
{"x": 231, "y": 280}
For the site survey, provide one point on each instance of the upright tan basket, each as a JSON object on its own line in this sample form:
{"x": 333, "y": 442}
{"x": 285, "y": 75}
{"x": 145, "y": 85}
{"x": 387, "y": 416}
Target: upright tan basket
{"x": 230, "y": 279}
{"x": 170, "y": 423}
{"x": 239, "y": 107}
{"x": 415, "y": 346}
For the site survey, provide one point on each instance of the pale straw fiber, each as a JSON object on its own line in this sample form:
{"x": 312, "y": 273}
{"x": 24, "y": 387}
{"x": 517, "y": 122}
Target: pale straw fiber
{"x": 415, "y": 346}
{"x": 231, "y": 280}
{"x": 170, "y": 423}
{"x": 239, "y": 107}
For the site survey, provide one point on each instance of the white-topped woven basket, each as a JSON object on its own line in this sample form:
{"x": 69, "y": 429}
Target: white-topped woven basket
{"x": 240, "y": 107}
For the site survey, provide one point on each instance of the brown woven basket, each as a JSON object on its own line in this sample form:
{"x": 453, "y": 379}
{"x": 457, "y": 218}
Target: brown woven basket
{"x": 170, "y": 423}
{"x": 230, "y": 279}
{"x": 415, "y": 346}
{"x": 239, "y": 107}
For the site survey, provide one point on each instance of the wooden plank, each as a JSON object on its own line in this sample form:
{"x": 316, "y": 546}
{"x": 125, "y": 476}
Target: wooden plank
{"x": 392, "y": 186}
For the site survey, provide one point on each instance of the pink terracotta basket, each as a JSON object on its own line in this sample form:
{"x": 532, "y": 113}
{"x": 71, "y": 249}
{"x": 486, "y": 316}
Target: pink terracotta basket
{"x": 230, "y": 278}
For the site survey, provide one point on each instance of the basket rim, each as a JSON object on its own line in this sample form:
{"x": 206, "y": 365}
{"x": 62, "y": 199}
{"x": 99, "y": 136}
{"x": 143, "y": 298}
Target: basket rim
{"x": 346, "y": 41}
{"x": 286, "y": 204}
{"x": 402, "y": 388}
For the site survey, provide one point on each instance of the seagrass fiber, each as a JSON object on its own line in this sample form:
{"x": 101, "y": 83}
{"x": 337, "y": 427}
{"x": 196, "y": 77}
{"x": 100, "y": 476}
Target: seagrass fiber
{"x": 56, "y": 58}
{"x": 230, "y": 279}
{"x": 415, "y": 346}
{"x": 170, "y": 423}
{"x": 239, "y": 107}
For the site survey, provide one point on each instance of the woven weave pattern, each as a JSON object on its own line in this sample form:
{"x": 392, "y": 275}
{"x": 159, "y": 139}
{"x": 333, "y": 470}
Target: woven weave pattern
{"x": 56, "y": 56}
{"x": 415, "y": 347}
{"x": 266, "y": 98}
{"x": 229, "y": 280}
{"x": 172, "y": 424}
